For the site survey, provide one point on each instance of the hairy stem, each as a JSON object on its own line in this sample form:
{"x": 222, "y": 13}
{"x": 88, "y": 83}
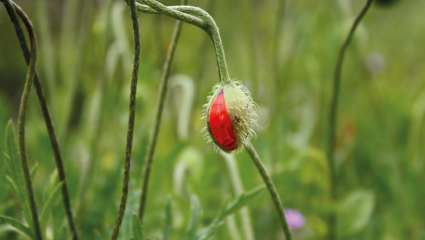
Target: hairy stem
{"x": 270, "y": 187}
{"x": 131, "y": 120}
{"x": 202, "y": 20}
{"x": 333, "y": 121}
{"x": 48, "y": 122}
{"x": 202, "y": 60}
{"x": 214, "y": 33}
{"x": 155, "y": 7}
{"x": 22, "y": 115}
{"x": 158, "y": 116}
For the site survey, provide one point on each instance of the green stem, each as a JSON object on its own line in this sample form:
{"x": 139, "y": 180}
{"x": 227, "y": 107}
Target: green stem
{"x": 22, "y": 116}
{"x": 214, "y": 33}
{"x": 48, "y": 122}
{"x": 131, "y": 120}
{"x": 158, "y": 8}
{"x": 202, "y": 20}
{"x": 276, "y": 40}
{"x": 278, "y": 85}
{"x": 333, "y": 120}
{"x": 270, "y": 187}
{"x": 159, "y": 110}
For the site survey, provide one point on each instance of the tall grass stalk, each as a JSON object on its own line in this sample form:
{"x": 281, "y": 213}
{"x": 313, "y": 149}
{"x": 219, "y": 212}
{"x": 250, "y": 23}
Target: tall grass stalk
{"x": 278, "y": 84}
{"x": 333, "y": 121}
{"x": 131, "y": 120}
{"x": 158, "y": 116}
{"x": 252, "y": 29}
{"x": 23, "y": 106}
{"x": 47, "y": 120}
{"x": 46, "y": 44}
{"x": 280, "y": 16}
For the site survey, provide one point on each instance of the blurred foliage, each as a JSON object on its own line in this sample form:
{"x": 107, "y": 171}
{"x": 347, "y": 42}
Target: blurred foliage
{"x": 85, "y": 65}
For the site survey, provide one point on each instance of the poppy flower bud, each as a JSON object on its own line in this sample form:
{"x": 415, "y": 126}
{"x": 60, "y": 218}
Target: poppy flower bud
{"x": 231, "y": 116}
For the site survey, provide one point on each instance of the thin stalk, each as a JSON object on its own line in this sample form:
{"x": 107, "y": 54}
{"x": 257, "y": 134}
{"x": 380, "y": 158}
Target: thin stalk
{"x": 201, "y": 59}
{"x": 270, "y": 187}
{"x": 172, "y": 11}
{"x": 278, "y": 84}
{"x": 333, "y": 120}
{"x": 131, "y": 119}
{"x": 235, "y": 178}
{"x": 159, "y": 110}
{"x": 23, "y": 106}
{"x": 251, "y": 28}
{"x": 46, "y": 41}
{"x": 47, "y": 121}
{"x": 203, "y": 20}
{"x": 232, "y": 227}
{"x": 275, "y": 42}
{"x": 214, "y": 33}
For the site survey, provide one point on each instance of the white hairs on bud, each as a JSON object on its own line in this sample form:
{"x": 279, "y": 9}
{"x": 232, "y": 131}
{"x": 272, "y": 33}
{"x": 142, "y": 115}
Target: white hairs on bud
{"x": 241, "y": 108}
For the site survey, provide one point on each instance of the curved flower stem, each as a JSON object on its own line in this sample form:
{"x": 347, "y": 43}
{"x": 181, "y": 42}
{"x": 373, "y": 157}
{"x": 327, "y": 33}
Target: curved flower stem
{"x": 332, "y": 221}
{"x": 171, "y": 11}
{"x": 47, "y": 120}
{"x": 270, "y": 187}
{"x": 22, "y": 115}
{"x": 202, "y": 20}
{"x": 214, "y": 32}
{"x": 131, "y": 120}
{"x": 159, "y": 110}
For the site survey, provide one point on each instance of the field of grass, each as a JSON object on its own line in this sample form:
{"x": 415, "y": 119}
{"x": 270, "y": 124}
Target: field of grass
{"x": 285, "y": 52}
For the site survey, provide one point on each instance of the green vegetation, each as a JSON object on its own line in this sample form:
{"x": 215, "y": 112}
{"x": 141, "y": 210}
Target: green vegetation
{"x": 285, "y": 52}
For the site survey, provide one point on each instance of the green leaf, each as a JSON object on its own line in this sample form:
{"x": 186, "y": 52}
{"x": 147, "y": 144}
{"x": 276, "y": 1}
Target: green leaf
{"x": 11, "y": 155}
{"x": 16, "y": 226}
{"x": 48, "y": 202}
{"x": 137, "y": 228}
{"x": 14, "y": 175}
{"x": 231, "y": 208}
{"x": 355, "y": 211}
{"x": 34, "y": 169}
{"x": 241, "y": 201}
{"x": 12, "y": 184}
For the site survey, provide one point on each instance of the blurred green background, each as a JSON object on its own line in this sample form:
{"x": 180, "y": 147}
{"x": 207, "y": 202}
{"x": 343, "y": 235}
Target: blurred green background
{"x": 285, "y": 52}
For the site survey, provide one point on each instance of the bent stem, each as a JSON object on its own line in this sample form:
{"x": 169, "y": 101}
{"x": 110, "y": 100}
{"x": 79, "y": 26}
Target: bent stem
{"x": 47, "y": 121}
{"x": 131, "y": 120}
{"x": 202, "y": 20}
{"x": 333, "y": 121}
{"x": 270, "y": 187}
{"x": 159, "y": 110}
{"x": 214, "y": 33}
{"x": 22, "y": 116}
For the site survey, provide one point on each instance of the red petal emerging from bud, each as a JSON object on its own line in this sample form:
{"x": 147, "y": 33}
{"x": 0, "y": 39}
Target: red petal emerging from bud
{"x": 220, "y": 124}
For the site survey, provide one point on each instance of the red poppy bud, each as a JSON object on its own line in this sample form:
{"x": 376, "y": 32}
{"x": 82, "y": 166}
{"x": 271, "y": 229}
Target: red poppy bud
{"x": 231, "y": 116}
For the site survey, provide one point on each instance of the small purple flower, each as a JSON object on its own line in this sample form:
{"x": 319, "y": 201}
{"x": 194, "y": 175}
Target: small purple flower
{"x": 294, "y": 218}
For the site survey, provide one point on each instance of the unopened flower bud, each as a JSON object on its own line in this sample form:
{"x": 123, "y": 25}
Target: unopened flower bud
{"x": 231, "y": 116}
